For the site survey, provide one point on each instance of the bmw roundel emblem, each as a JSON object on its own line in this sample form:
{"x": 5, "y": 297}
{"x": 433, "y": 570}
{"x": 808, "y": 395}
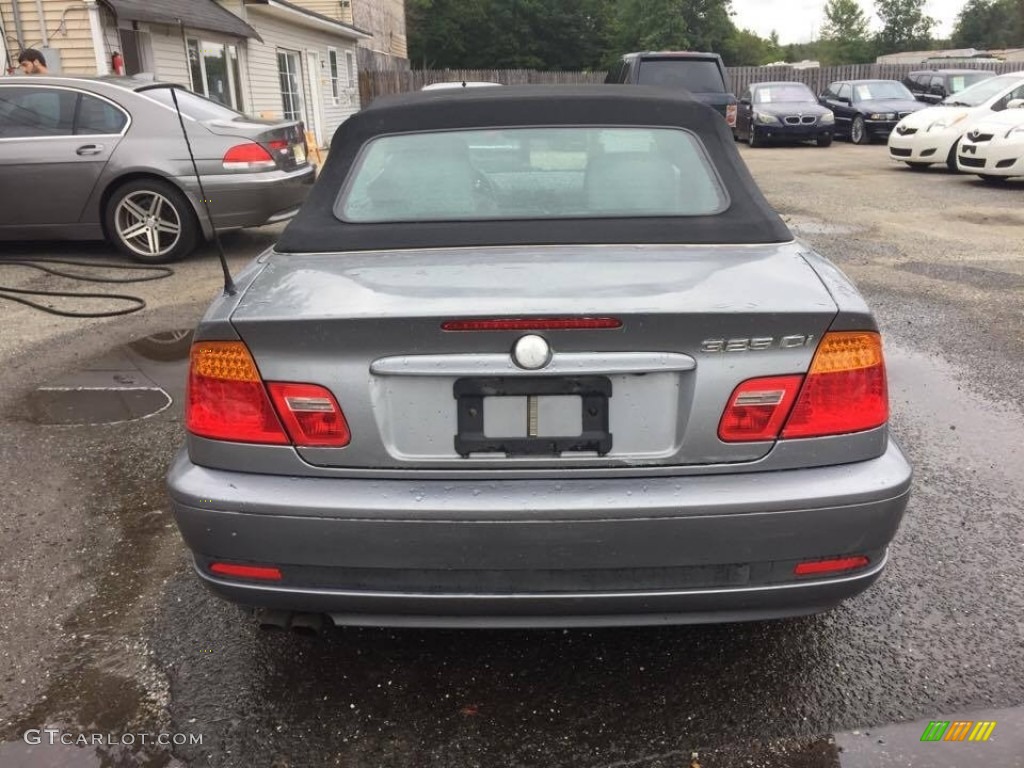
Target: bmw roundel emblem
{"x": 531, "y": 352}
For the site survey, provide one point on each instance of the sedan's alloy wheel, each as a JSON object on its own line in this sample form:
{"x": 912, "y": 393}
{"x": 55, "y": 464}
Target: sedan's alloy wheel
{"x": 148, "y": 223}
{"x": 858, "y": 131}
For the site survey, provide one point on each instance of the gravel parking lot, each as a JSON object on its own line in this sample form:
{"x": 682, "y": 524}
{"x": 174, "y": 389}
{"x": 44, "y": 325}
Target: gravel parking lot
{"x": 103, "y": 627}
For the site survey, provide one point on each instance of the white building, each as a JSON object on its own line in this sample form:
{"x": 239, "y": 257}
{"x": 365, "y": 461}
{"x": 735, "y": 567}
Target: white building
{"x": 953, "y": 56}
{"x": 269, "y": 58}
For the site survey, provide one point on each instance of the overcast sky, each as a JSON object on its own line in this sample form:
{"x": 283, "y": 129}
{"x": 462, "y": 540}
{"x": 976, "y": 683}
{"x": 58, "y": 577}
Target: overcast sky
{"x": 798, "y": 21}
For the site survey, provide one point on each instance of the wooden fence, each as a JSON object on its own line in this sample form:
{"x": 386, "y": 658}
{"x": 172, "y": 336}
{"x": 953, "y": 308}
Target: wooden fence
{"x": 374, "y": 83}
{"x": 369, "y": 60}
{"x": 379, "y": 83}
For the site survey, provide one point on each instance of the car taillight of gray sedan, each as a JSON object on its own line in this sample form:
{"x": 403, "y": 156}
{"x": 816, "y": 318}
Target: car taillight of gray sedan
{"x": 502, "y": 375}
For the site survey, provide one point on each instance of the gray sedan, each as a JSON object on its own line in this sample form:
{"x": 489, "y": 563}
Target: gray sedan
{"x": 538, "y": 356}
{"x": 102, "y": 158}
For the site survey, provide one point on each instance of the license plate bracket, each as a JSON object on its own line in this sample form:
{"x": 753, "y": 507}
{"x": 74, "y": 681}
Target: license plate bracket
{"x": 593, "y": 391}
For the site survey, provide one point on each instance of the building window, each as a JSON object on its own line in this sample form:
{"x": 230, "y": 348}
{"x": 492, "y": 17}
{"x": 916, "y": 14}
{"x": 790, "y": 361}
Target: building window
{"x": 291, "y": 84}
{"x": 215, "y": 72}
{"x": 350, "y": 63}
{"x": 133, "y": 47}
{"x": 332, "y": 60}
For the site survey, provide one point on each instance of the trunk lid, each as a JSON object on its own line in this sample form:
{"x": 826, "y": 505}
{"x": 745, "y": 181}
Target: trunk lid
{"x": 695, "y": 322}
{"x": 284, "y": 139}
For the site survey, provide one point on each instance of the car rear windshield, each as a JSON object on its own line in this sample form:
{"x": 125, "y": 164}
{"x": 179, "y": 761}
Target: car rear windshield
{"x": 775, "y": 94}
{"x": 981, "y": 92}
{"x": 193, "y": 105}
{"x": 531, "y": 173}
{"x": 882, "y": 90}
{"x": 694, "y": 75}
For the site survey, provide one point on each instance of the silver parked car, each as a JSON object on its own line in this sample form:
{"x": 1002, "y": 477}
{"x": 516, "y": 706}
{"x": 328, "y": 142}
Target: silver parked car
{"x": 94, "y": 158}
{"x": 538, "y": 356}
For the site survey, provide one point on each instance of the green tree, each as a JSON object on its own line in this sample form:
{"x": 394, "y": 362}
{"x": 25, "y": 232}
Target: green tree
{"x": 573, "y": 34}
{"x": 507, "y": 34}
{"x": 745, "y": 49}
{"x": 989, "y": 24}
{"x": 445, "y": 33}
{"x": 846, "y": 33}
{"x": 652, "y": 25}
{"x": 905, "y": 26}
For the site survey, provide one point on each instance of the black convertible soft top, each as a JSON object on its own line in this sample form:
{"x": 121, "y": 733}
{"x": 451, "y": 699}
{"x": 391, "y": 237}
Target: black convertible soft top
{"x": 748, "y": 219}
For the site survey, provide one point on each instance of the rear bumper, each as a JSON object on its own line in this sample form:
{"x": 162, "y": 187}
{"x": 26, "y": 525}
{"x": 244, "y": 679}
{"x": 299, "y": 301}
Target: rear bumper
{"x": 543, "y": 553}
{"x": 253, "y": 199}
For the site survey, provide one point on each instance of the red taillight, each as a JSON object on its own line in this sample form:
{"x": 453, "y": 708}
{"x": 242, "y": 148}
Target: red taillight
{"x": 730, "y": 115}
{"x": 310, "y": 414}
{"x": 833, "y": 565}
{"x": 258, "y": 572}
{"x": 226, "y": 399}
{"x": 279, "y": 144}
{"x": 533, "y": 324}
{"x": 758, "y": 408}
{"x": 248, "y": 156}
{"x": 845, "y": 389}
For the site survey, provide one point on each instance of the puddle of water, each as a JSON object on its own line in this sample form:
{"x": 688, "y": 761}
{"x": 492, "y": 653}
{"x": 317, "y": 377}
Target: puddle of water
{"x": 137, "y": 381}
{"x": 79, "y": 406}
{"x": 104, "y": 683}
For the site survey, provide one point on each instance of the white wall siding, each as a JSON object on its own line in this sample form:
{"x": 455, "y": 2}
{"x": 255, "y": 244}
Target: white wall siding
{"x": 263, "y": 73}
{"x": 170, "y": 63}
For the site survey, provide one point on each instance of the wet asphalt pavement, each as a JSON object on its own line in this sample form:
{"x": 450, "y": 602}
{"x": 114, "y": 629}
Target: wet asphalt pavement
{"x": 110, "y": 631}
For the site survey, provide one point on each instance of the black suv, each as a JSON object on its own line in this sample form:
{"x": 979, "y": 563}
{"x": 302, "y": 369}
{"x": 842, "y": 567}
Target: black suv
{"x": 934, "y": 85}
{"x": 702, "y": 74}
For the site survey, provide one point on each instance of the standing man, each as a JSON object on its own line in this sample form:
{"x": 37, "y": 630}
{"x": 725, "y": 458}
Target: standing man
{"x": 32, "y": 62}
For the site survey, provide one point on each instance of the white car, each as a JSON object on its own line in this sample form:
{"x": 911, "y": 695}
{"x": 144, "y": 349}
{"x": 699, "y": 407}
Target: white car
{"x": 459, "y": 84}
{"x": 932, "y": 135}
{"x": 994, "y": 148}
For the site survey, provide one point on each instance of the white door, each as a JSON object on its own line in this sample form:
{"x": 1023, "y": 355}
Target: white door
{"x": 316, "y": 97}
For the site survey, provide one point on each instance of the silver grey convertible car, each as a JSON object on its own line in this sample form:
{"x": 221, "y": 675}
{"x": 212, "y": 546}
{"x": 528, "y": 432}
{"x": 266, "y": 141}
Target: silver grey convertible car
{"x": 537, "y": 356}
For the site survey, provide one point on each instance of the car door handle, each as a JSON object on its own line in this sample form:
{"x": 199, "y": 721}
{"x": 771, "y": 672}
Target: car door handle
{"x": 89, "y": 149}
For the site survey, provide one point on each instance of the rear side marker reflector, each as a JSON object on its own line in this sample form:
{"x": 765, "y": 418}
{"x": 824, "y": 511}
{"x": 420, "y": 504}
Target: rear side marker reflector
{"x": 533, "y": 324}
{"x": 835, "y": 565}
{"x": 255, "y": 572}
